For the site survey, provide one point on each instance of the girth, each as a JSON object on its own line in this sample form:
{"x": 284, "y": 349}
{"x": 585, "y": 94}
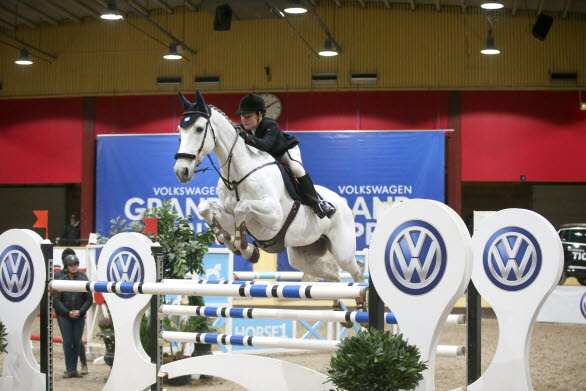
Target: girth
{"x": 277, "y": 244}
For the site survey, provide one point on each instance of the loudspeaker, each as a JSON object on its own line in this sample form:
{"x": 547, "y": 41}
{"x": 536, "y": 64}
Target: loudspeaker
{"x": 542, "y": 26}
{"x": 223, "y": 18}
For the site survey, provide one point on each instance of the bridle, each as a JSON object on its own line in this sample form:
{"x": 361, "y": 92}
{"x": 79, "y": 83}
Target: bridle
{"x": 230, "y": 185}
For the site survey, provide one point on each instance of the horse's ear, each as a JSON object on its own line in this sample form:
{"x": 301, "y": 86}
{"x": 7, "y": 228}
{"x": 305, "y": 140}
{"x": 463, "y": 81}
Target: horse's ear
{"x": 184, "y": 101}
{"x": 199, "y": 100}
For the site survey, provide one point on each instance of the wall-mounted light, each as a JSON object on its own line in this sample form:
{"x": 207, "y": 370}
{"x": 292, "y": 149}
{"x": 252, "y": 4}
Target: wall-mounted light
{"x": 112, "y": 12}
{"x": 295, "y": 7}
{"x": 329, "y": 49}
{"x": 491, "y": 6}
{"x": 582, "y": 103}
{"x": 173, "y": 53}
{"x": 23, "y": 58}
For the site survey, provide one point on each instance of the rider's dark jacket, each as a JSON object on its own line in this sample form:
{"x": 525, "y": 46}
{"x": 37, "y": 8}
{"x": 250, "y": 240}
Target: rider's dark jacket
{"x": 269, "y": 137}
{"x": 69, "y": 301}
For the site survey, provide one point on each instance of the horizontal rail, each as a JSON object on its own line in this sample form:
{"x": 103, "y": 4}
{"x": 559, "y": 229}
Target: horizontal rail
{"x": 243, "y": 282}
{"x": 276, "y": 342}
{"x": 285, "y": 314}
{"x": 250, "y": 290}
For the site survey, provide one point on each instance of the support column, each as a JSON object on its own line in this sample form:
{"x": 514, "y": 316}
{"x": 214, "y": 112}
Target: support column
{"x": 88, "y": 170}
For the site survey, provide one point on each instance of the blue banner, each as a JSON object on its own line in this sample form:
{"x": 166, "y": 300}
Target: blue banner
{"x": 135, "y": 172}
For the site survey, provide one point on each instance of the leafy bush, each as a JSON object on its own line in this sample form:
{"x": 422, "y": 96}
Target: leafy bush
{"x": 3, "y": 341}
{"x": 376, "y": 360}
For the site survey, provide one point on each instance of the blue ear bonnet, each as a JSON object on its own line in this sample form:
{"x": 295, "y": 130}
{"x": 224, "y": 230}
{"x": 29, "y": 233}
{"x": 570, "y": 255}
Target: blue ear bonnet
{"x": 191, "y": 114}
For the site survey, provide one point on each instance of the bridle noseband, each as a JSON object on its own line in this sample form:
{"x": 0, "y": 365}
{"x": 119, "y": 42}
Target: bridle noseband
{"x": 230, "y": 185}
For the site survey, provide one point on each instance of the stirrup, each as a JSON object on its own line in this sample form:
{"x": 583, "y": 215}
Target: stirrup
{"x": 325, "y": 209}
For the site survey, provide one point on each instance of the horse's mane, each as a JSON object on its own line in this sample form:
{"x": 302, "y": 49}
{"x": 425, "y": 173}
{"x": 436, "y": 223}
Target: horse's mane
{"x": 252, "y": 151}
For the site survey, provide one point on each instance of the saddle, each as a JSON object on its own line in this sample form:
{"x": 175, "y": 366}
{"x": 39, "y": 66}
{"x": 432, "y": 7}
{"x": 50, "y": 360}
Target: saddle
{"x": 277, "y": 243}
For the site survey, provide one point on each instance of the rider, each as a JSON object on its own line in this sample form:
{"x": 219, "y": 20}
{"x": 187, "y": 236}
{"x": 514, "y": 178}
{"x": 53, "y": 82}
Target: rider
{"x": 265, "y": 134}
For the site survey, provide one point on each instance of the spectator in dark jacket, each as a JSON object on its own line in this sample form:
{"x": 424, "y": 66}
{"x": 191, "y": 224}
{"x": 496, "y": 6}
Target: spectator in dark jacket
{"x": 57, "y": 276}
{"x": 72, "y": 233}
{"x": 71, "y": 308}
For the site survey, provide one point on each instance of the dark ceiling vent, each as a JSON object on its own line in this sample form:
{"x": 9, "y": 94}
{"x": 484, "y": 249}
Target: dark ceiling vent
{"x": 563, "y": 76}
{"x": 324, "y": 77}
{"x": 169, "y": 81}
{"x": 207, "y": 80}
{"x": 363, "y": 77}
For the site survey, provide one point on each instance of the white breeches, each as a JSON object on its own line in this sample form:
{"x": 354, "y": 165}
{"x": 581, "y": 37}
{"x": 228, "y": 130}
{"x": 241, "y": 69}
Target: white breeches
{"x": 292, "y": 158}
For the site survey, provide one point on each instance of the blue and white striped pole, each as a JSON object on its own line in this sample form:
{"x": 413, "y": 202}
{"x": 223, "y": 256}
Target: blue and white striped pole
{"x": 228, "y": 290}
{"x": 283, "y": 314}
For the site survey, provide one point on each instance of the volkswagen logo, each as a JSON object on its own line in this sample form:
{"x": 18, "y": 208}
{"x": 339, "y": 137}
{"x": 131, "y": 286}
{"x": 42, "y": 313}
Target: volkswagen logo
{"x": 415, "y": 257}
{"x": 125, "y": 265}
{"x": 16, "y": 273}
{"x": 583, "y": 305}
{"x": 512, "y": 258}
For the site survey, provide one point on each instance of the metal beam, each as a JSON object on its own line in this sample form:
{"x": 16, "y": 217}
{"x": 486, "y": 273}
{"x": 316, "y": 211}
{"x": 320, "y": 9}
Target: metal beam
{"x": 138, "y": 7}
{"x": 540, "y": 7}
{"x": 165, "y": 6}
{"x": 190, "y": 5}
{"x": 387, "y": 4}
{"x": 566, "y": 8}
{"x": 161, "y": 29}
{"x": 412, "y": 5}
{"x": 337, "y": 3}
{"x": 437, "y": 6}
{"x": 464, "y": 5}
{"x": 63, "y": 11}
{"x": 362, "y": 3}
{"x": 28, "y": 45}
{"x": 515, "y": 7}
{"x": 87, "y": 9}
{"x": 19, "y": 18}
{"x": 37, "y": 11}
{"x": 4, "y": 22}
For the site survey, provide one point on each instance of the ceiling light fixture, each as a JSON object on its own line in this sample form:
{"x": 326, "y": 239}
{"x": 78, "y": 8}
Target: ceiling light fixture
{"x": 295, "y": 7}
{"x": 491, "y": 6}
{"x": 489, "y": 48}
{"x": 23, "y": 58}
{"x": 329, "y": 49}
{"x": 173, "y": 53}
{"x": 112, "y": 12}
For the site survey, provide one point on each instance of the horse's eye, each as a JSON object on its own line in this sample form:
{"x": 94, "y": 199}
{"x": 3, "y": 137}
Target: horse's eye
{"x": 199, "y": 129}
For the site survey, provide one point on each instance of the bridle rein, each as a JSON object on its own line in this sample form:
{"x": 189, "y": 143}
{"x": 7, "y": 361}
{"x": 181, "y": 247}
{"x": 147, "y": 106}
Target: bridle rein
{"x": 230, "y": 185}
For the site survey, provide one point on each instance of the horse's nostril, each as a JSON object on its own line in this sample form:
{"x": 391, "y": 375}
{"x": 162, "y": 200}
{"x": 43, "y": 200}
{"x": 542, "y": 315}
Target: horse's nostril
{"x": 185, "y": 171}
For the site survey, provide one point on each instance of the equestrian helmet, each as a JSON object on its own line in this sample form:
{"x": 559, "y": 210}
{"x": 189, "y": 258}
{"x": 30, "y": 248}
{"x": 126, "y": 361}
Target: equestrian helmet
{"x": 69, "y": 260}
{"x": 66, "y": 252}
{"x": 252, "y": 103}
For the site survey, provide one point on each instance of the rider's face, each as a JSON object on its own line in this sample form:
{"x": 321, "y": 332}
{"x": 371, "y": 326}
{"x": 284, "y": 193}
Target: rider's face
{"x": 250, "y": 121}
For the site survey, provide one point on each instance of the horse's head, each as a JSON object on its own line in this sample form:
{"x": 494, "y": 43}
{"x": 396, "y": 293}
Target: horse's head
{"x": 197, "y": 137}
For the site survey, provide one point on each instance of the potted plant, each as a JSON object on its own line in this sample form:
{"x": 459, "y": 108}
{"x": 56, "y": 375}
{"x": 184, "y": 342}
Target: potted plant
{"x": 3, "y": 341}
{"x": 106, "y": 334}
{"x": 376, "y": 360}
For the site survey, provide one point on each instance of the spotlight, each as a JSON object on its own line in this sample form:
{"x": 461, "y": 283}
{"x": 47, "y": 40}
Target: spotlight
{"x": 329, "y": 49}
{"x": 491, "y": 6}
{"x": 23, "y": 58}
{"x": 112, "y": 12}
{"x": 295, "y": 7}
{"x": 489, "y": 49}
{"x": 173, "y": 53}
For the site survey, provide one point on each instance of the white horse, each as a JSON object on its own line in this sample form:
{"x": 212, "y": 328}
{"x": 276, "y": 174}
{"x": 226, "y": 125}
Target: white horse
{"x": 254, "y": 199}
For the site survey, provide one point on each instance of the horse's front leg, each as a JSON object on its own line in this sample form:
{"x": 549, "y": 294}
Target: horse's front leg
{"x": 266, "y": 213}
{"x": 221, "y": 222}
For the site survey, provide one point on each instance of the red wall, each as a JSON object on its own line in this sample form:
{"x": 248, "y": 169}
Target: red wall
{"x": 506, "y": 134}
{"x": 40, "y": 140}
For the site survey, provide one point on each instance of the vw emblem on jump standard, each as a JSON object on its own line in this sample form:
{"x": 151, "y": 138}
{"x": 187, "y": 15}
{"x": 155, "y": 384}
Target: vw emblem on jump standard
{"x": 16, "y": 273}
{"x": 512, "y": 258}
{"x": 415, "y": 257}
{"x": 583, "y": 305}
{"x": 125, "y": 265}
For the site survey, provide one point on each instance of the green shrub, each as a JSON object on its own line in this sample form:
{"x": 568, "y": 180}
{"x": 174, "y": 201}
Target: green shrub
{"x": 3, "y": 341}
{"x": 376, "y": 361}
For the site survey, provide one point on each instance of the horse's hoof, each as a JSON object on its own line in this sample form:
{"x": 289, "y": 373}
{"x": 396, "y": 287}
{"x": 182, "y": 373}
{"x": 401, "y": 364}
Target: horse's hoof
{"x": 347, "y": 325}
{"x": 255, "y": 256}
{"x": 237, "y": 252}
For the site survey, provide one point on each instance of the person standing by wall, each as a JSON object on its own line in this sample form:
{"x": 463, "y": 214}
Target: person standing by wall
{"x": 71, "y": 308}
{"x": 72, "y": 233}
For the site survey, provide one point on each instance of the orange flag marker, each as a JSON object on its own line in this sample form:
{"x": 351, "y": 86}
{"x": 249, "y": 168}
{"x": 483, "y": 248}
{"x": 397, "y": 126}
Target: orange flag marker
{"x": 151, "y": 227}
{"x": 42, "y": 221}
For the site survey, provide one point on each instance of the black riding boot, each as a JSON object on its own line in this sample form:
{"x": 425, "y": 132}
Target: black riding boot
{"x": 321, "y": 208}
